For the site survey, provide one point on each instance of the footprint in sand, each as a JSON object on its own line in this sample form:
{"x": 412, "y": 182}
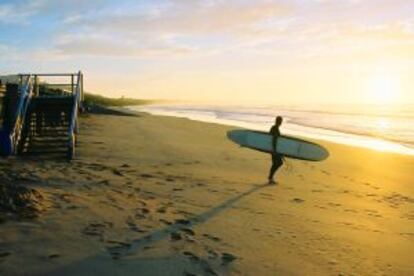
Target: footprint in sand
{"x": 4, "y": 254}
{"x": 183, "y": 221}
{"x": 117, "y": 191}
{"x": 175, "y": 236}
{"x": 325, "y": 172}
{"x": 117, "y": 172}
{"x": 147, "y": 247}
{"x": 191, "y": 256}
{"x": 117, "y": 251}
{"x": 72, "y": 207}
{"x": 65, "y": 197}
{"x": 211, "y": 254}
{"x": 119, "y": 243}
{"x": 96, "y": 229}
{"x": 167, "y": 222}
{"x": 202, "y": 263}
{"x": 133, "y": 226}
{"x": 111, "y": 199}
{"x": 188, "y": 231}
{"x": 227, "y": 258}
{"x": 162, "y": 209}
{"x": 297, "y": 200}
{"x": 182, "y": 212}
{"x": 97, "y": 143}
{"x": 409, "y": 235}
{"x": 141, "y": 213}
{"x": 211, "y": 237}
{"x": 398, "y": 199}
{"x": 142, "y": 202}
{"x": 146, "y": 175}
{"x": 351, "y": 211}
{"x": 372, "y": 213}
{"x": 103, "y": 182}
{"x": 409, "y": 216}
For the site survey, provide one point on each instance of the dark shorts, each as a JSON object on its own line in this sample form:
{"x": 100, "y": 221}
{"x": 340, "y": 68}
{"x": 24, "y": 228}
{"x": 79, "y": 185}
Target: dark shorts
{"x": 277, "y": 159}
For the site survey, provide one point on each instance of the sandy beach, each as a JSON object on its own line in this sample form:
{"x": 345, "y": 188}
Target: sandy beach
{"x": 154, "y": 195}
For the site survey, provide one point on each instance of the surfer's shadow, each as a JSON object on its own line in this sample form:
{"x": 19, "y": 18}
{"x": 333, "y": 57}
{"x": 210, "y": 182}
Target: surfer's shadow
{"x": 190, "y": 222}
{"x": 127, "y": 251}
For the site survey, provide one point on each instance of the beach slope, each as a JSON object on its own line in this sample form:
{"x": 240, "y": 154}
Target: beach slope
{"x": 154, "y": 195}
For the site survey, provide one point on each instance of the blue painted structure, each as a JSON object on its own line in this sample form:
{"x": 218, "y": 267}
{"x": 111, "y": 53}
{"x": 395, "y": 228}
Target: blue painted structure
{"x": 42, "y": 117}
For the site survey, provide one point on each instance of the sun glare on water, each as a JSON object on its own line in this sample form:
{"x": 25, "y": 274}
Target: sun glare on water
{"x": 383, "y": 88}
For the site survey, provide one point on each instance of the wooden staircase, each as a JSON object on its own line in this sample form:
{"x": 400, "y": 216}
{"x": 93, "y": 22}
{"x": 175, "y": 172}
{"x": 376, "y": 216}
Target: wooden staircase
{"x": 41, "y": 117}
{"x": 9, "y": 105}
{"x": 47, "y": 126}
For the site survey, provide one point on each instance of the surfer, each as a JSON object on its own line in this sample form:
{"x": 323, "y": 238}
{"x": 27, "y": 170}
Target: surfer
{"x": 277, "y": 159}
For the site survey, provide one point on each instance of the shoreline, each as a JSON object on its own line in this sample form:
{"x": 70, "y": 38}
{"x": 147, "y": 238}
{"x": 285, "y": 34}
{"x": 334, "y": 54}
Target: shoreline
{"x": 301, "y": 130}
{"x": 156, "y": 195}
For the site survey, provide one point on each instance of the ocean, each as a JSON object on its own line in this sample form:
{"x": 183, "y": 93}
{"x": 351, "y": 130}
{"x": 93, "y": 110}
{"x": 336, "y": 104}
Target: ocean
{"x": 384, "y": 128}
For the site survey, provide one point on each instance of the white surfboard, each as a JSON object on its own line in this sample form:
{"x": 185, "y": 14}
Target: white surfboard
{"x": 285, "y": 145}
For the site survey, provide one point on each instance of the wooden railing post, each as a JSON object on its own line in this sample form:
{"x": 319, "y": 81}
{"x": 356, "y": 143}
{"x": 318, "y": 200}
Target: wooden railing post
{"x": 36, "y": 85}
{"x": 83, "y": 95}
{"x": 72, "y": 84}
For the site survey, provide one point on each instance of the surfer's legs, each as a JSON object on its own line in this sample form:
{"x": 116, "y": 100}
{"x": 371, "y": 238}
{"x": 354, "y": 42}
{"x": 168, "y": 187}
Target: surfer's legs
{"x": 277, "y": 162}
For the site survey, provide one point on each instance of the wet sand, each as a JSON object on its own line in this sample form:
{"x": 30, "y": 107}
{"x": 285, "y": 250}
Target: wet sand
{"x": 153, "y": 195}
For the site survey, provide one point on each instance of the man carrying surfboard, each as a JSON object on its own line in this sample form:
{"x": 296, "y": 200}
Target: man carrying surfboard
{"x": 287, "y": 146}
{"x": 277, "y": 159}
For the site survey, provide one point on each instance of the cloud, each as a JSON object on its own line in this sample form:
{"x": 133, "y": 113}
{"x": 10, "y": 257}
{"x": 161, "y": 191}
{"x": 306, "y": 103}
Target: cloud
{"x": 176, "y": 28}
{"x": 196, "y": 18}
{"x": 113, "y": 46}
{"x": 3, "y": 47}
{"x": 18, "y": 12}
{"x": 185, "y": 28}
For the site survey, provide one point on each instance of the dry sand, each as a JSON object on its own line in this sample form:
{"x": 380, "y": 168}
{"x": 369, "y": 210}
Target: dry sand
{"x": 152, "y": 195}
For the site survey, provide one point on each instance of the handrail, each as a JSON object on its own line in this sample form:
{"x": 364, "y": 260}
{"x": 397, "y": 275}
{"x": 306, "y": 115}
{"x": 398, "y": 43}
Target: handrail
{"x": 26, "y": 92}
{"x": 73, "y": 121}
{"x": 49, "y": 74}
{"x": 29, "y": 86}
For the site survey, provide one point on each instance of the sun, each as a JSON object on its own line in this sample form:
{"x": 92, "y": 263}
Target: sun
{"x": 383, "y": 88}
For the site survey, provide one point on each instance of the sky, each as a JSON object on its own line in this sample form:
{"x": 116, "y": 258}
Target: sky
{"x": 278, "y": 52}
